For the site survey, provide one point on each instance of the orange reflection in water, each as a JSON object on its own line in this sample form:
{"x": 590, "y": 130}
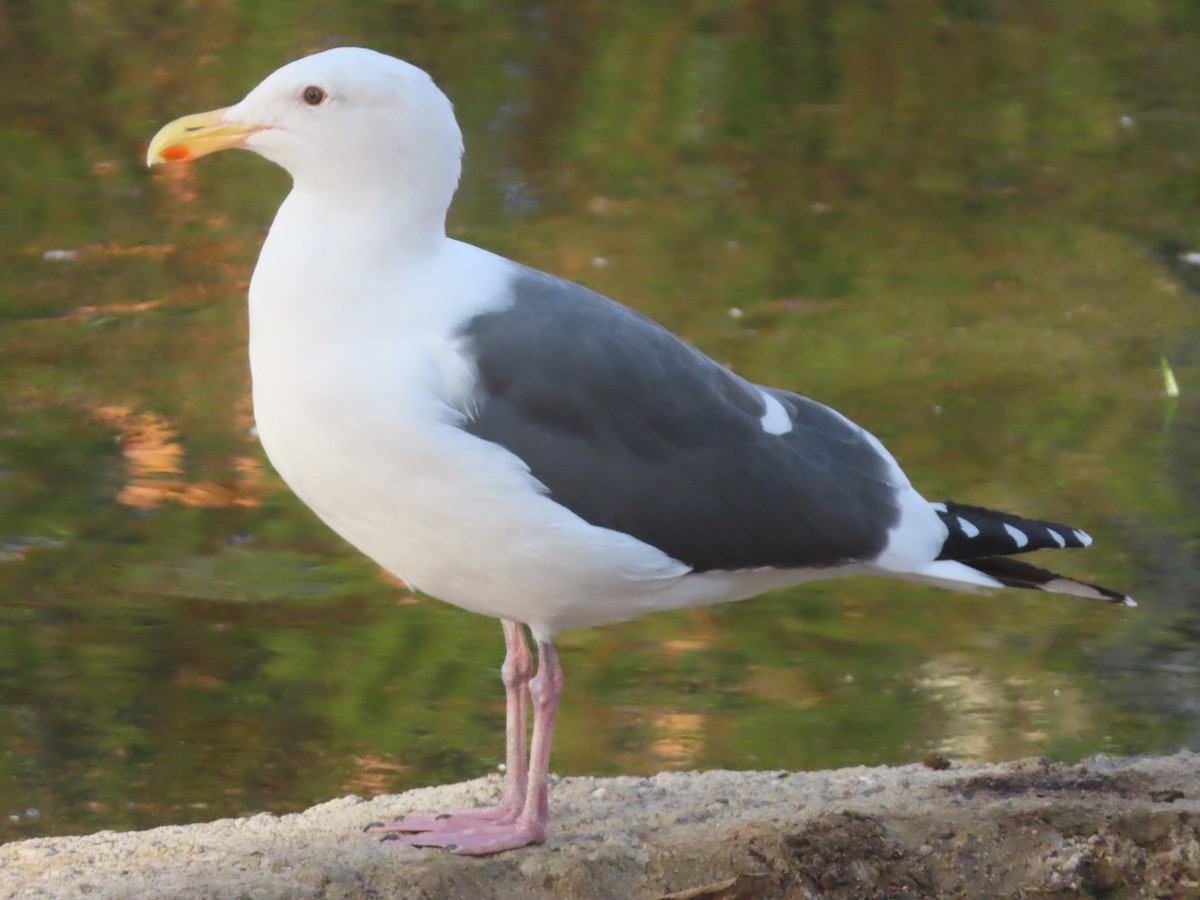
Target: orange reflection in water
{"x": 154, "y": 459}
{"x": 682, "y": 738}
{"x": 374, "y": 776}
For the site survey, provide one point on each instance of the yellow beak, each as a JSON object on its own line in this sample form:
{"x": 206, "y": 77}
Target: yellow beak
{"x": 194, "y": 136}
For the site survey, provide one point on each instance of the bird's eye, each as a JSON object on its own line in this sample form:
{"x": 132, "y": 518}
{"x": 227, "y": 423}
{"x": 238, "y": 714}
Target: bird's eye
{"x": 313, "y": 95}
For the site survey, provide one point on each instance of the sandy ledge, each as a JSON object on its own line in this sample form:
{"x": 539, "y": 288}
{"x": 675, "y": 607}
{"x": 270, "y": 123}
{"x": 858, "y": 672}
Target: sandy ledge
{"x": 1104, "y": 828}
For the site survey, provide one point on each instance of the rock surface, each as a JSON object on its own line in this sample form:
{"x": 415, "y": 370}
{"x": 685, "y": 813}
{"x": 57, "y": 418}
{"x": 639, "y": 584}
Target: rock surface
{"x": 1104, "y": 828}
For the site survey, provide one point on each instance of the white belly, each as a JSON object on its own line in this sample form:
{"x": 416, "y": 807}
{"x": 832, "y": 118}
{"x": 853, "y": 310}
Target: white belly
{"x": 454, "y": 516}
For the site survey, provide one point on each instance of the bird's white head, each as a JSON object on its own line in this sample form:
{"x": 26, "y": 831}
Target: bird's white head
{"x": 348, "y": 120}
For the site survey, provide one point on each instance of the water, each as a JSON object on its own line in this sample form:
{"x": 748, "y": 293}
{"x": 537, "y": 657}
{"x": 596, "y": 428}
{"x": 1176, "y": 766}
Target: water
{"x": 965, "y": 225}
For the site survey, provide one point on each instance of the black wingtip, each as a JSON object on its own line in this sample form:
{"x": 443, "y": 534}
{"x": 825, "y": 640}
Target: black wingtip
{"x": 974, "y": 532}
{"x": 1015, "y": 573}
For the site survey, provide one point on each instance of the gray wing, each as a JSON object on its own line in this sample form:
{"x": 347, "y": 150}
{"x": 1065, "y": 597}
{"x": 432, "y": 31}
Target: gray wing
{"x": 634, "y": 430}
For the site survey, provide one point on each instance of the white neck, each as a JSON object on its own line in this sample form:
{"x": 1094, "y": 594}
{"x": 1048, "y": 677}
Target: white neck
{"x": 368, "y": 224}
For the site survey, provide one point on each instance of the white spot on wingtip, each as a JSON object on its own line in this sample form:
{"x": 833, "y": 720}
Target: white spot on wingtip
{"x": 775, "y": 419}
{"x": 1083, "y": 537}
{"x": 1075, "y": 588}
{"x": 1063, "y": 585}
{"x": 968, "y": 529}
{"x": 1058, "y": 538}
{"x": 1019, "y": 537}
{"x": 938, "y": 507}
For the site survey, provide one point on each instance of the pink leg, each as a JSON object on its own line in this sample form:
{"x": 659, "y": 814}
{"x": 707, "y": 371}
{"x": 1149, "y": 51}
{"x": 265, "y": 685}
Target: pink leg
{"x": 515, "y": 672}
{"x": 475, "y": 838}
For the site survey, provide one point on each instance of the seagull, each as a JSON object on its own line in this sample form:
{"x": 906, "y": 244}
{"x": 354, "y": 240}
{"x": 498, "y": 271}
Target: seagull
{"x": 522, "y": 447}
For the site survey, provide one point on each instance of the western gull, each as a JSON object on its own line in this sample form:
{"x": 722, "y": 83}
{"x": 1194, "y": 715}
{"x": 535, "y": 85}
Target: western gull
{"x": 522, "y": 447}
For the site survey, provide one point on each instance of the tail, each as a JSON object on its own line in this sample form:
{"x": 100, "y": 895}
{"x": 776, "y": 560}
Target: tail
{"x": 985, "y": 540}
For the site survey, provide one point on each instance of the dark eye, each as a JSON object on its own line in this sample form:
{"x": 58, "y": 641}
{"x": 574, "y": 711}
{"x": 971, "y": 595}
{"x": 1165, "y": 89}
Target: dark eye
{"x": 313, "y": 95}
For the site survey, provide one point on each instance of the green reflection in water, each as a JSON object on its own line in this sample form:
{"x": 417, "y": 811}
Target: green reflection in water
{"x": 962, "y": 223}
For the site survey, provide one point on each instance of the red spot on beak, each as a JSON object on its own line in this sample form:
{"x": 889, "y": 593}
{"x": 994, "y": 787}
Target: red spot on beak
{"x": 176, "y": 154}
